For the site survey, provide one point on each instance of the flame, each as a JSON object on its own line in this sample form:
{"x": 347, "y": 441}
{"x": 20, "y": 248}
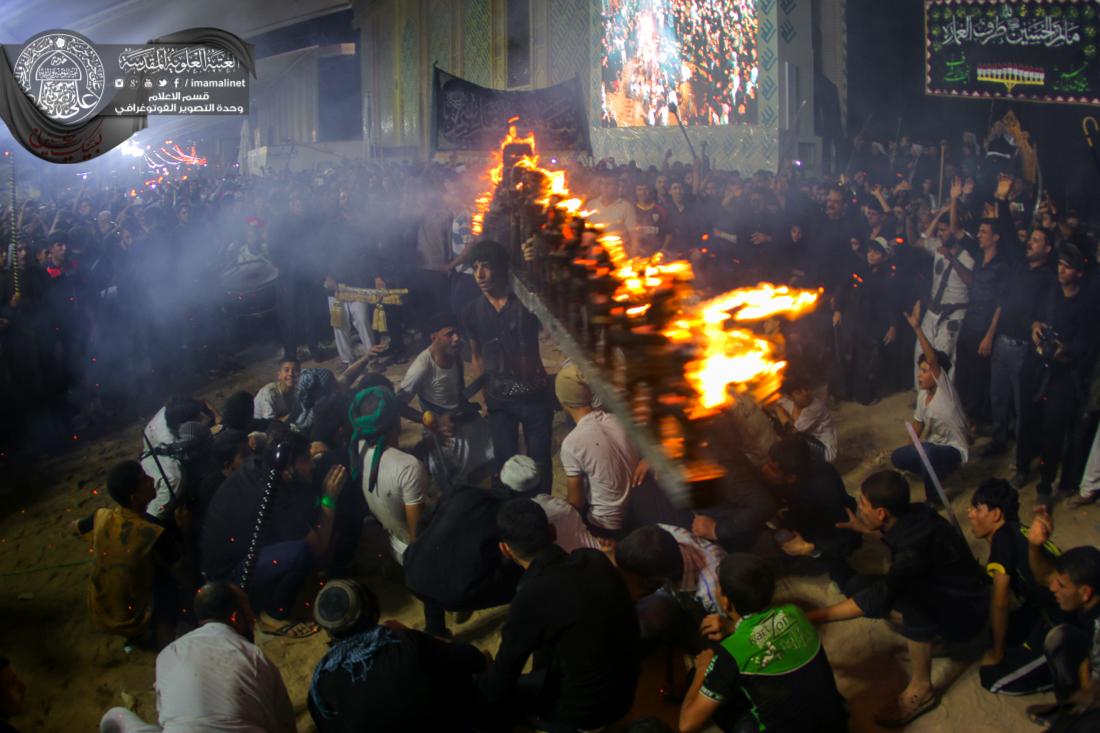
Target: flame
{"x": 735, "y": 356}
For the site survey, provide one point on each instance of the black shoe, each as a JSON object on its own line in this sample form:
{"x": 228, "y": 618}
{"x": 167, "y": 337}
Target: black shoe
{"x": 992, "y": 450}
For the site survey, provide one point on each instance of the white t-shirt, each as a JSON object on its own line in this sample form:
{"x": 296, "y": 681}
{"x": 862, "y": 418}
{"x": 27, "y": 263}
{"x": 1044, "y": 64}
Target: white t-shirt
{"x": 159, "y": 435}
{"x": 569, "y": 526}
{"x": 617, "y": 218}
{"x": 426, "y": 379}
{"x": 956, "y": 291}
{"x": 944, "y": 423}
{"x": 814, "y": 420}
{"x": 599, "y": 450}
{"x": 271, "y": 403}
{"x": 213, "y": 679}
{"x": 402, "y": 480}
{"x": 701, "y": 559}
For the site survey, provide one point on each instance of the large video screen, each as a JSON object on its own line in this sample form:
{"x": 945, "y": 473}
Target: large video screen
{"x": 699, "y": 57}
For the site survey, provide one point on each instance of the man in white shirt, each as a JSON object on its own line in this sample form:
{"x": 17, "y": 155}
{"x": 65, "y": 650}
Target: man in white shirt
{"x": 436, "y": 378}
{"x": 278, "y": 400}
{"x": 598, "y": 458}
{"x": 521, "y": 474}
{"x": 395, "y": 484}
{"x": 214, "y": 679}
{"x": 806, "y": 413}
{"x": 616, "y": 214}
{"x": 951, "y": 274}
{"x": 938, "y": 418}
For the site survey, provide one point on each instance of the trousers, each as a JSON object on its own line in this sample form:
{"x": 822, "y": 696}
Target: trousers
{"x": 536, "y": 417}
{"x": 357, "y": 315}
{"x": 1065, "y": 648}
{"x": 944, "y": 460}
{"x": 1004, "y": 387}
{"x": 280, "y": 572}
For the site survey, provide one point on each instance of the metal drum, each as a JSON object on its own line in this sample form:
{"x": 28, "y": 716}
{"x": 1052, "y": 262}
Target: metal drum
{"x": 249, "y": 289}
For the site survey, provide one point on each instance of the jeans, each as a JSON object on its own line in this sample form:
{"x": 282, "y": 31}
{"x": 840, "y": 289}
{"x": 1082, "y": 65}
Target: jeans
{"x": 1004, "y": 386}
{"x": 536, "y": 416}
{"x": 280, "y": 572}
{"x": 1090, "y": 481}
{"x": 944, "y": 460}
{"x": 1065, "y": 648}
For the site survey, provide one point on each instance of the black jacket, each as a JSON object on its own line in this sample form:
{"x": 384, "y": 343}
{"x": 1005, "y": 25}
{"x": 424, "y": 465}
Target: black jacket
{"x": 573, "y": 612}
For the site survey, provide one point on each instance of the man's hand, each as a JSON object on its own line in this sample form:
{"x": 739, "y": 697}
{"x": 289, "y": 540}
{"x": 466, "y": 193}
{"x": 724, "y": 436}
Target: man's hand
{"x": 891, "y": 334}
{"x": 715, "y": 628}
{"x": 985, "y": 348}
{"x": 334, "y": 481}
{"x": 330, "y": 282}
{"x": 1042, "y": 527}
{"x": 759, "y": 238}
{"x": 705, "y": 527}
{"x": 913, "y": 316}
{"x": 379, "y": 283}
{"x": 1086, "y": 698}
{"x": 1037, "y": 332}
{"x": 798, "y": 547}
{"x": 854, "y": 523}
{"x": 837, "y": 318}
{"x": 640, "y": 472}
{"x": 956, "y": 189}
{"x": 1004, "y": 186}
{"x": 317, "y": 449}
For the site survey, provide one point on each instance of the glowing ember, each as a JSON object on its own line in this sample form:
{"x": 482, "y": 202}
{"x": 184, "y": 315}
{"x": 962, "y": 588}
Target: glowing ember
{"x": 736, "y": 357}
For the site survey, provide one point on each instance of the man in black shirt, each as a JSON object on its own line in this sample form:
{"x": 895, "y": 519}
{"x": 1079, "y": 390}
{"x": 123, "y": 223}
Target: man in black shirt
{"x": 1014, "y": 665}
{"x": 295, "y": 537}
{"x": 504, "y": 342}
{"x": 979, "y": 325}
{"x": 768, "y": 669}
{"x": 1050, "y": 382}
{"x": 1020, "y": 294}
{"x": 385, "y": 677}
{"x": 933, "y": 583}
{"x": 575, "y": 615}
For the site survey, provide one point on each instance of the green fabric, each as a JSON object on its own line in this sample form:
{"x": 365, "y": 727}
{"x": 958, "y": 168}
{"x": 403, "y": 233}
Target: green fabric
{"x": 373, "y": 428}
{"x": 774, "y": 642}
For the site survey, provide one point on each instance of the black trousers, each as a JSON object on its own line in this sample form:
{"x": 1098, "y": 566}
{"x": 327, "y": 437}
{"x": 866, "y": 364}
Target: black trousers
{"x": 973, "y": 374}
{"x": 301, "y": 308}
{"x": 1048, "y": 408}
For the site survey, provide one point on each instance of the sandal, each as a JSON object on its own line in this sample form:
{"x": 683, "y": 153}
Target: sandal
{"x": 291, "y": 630}
{"x": 906, "y": 711}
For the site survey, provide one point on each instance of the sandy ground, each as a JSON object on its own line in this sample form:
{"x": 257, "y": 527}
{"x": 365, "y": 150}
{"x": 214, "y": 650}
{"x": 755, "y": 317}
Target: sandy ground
{"x": 75, "y": 672}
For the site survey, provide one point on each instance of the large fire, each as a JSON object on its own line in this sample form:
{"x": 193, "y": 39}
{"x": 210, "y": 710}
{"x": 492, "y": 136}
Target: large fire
{"x": 726, "y": 358}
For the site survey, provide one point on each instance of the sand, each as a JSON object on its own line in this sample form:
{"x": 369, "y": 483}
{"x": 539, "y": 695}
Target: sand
{"x": 75, "y": 672}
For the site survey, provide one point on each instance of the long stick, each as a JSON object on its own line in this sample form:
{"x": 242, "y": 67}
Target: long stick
{"x": 939, "y": 195}
{"x": 894, "y": 154}
{"x": 280, "y": 463}
{"x": 932, "y": 475}
{"x": 675, "y": 109}
{"x": 13, "y": 247}
{"x": 160, "y": 469}
{"x": 852, "y": 155}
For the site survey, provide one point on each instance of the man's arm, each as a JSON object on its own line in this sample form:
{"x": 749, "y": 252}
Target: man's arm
{"x": 913, "y": 318}
{"x": 1042, "y": 527}
{"x": 574, "y": 486}
{"x": 413, "y": 513}
{"x": 843, "y": 611}
{"x": 998, "y": 617}
{"x": 985, "y": 348}
{"x": 697, "y": 708}
{"x": 320, "y": 536}
{"x": 521, "y": 635}
{"x": 965, "y": 274}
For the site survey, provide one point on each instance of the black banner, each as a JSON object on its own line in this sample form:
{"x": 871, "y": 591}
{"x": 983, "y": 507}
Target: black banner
{"x": 1025, "y": 50}
{"x": 466, "y": 116}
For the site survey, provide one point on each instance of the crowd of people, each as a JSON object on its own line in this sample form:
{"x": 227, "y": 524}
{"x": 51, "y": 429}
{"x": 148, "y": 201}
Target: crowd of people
{"x": 978, "y": 301}
{"x": 695, "y": 60}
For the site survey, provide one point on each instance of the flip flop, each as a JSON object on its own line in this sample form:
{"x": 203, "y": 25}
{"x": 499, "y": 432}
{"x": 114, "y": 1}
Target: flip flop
{"x": 288, "y": 630}
{"x": 902, "y": 717}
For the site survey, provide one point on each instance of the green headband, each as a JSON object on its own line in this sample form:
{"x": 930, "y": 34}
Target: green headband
{"x": 372, "y": 428}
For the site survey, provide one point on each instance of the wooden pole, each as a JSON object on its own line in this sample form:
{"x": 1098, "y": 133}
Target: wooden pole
{"x": 939, "y": 195}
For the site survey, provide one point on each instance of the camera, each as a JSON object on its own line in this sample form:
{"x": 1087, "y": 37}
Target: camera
{"x": 1048, "y": 344}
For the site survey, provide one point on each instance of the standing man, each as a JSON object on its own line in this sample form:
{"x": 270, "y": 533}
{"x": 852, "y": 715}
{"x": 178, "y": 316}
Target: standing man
{"x": 651, "y": 231}
{"x": 1021, "y": 294}
{"x": 614, "y": 212}
{"x": 951, "y": 273}
{"x": 300, "y": 292}
{"x": 504, "y": 343}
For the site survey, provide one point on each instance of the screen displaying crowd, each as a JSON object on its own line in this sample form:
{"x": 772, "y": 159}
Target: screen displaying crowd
{"x": 660, "y": 57}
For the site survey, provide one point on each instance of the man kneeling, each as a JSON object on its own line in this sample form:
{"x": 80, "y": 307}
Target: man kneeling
{"x": 769, "y": 670}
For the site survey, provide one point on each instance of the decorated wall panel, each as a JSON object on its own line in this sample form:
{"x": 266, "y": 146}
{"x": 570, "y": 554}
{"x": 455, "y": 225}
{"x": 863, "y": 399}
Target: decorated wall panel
{"x": 476, "y": 42}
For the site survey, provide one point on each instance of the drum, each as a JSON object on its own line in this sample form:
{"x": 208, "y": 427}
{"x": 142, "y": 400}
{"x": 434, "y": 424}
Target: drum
{"x": 249, "y": 289}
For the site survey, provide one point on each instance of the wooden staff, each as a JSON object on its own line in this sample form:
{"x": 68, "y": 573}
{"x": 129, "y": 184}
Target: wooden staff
{"x": 943, "y": 154}
{"x": 13, "y": 246}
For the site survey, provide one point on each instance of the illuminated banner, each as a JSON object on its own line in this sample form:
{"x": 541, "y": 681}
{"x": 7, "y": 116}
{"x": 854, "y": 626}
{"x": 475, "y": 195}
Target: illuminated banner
{"x": 66, "y": 99}
{"x": 466, "y": 116}
{"x": 1026, "y": 50}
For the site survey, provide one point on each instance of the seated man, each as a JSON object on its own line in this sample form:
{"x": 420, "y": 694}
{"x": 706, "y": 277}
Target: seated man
{"x": 177, "y": 469}
{"x": 437, "y": 379}
{"x": 933, "y": 583}
{"x": 1072, "y": 650}
{"x": 1014, "y": 664}
{"x": 521, "y": 474}
{"x": 573, "y": 614}
{"x": 938, "y": 419}
{"x": 769, "y": 671}
{"x": 295, "y": 536}
{"x": 598, "y": 458}
{"x": 800, "y": 411}
{"x": 278, "y": 400}
{"x": 385, "y": 677}
{"x": 673, "y": 575}
{"x": 395, "y": 484}
{"x": 813, "y": 496}
{"x": 133, "y": 588}
{"x": 214, "y": 678}
{"x": 165, "y": 439}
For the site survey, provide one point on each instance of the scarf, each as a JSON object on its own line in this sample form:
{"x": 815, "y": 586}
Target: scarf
{"x": 372, "y": 429}
{"x": 313, "y": 384}
{"x": 354, "y": 655}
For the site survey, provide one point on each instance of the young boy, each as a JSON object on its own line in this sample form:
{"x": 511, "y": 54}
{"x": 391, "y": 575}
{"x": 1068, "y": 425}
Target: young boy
{"x": 768, "y": 669}
{"x": 278, "y": 400}
{"x": 800, "y": 411}
{"x": 131, "y": 591}
{"x": 1014, "y": 665}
